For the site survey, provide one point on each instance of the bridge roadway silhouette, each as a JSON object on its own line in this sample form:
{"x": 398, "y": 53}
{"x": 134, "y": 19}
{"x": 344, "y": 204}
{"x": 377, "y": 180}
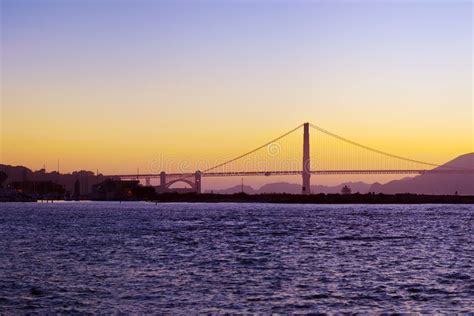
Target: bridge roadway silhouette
{"x": 194, "y": 179}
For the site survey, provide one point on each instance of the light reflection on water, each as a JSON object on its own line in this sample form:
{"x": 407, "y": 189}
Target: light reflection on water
{"x": 140, "y": 257}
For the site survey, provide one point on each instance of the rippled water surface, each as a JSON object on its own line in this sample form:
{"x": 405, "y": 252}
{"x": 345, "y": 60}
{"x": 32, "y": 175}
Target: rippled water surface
{"x": 139, "y": 257}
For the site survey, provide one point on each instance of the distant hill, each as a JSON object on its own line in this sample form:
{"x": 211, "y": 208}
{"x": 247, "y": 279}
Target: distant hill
{"x": 434, "y": 183}
{"x": 235, "y": 189}
{"x": 295, "y": 188}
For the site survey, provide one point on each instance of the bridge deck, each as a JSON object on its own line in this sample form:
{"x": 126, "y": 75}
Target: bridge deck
{"x": 295, "y": 172}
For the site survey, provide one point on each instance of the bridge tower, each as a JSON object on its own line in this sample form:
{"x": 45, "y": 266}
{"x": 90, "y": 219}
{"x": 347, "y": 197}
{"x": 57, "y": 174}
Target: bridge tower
{"x": 306, "y": 161}
{"x": 197, "y": 181}
{"x": 163, "y": 181}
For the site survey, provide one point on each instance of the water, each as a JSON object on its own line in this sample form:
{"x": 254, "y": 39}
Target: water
{"x": 179, "y": 258}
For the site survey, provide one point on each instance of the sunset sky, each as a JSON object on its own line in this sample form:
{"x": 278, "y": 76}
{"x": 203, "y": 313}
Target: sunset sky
{"x": 116, "y": 85}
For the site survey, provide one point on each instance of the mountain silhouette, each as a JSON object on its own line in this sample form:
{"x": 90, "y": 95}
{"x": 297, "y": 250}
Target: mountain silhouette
{"x": 295, "y": 188}
{"x": 445, "y": 184}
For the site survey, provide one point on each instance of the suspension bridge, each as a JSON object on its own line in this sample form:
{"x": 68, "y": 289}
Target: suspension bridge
{"x": 347, "y": 158}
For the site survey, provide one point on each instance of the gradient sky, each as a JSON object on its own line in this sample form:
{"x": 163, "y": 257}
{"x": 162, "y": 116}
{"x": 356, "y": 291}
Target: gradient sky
{"x": 116, "y": 85}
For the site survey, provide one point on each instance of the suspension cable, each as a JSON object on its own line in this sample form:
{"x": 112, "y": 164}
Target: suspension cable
{"x": 372, "y": 149}
{"x": 254, "y": 150}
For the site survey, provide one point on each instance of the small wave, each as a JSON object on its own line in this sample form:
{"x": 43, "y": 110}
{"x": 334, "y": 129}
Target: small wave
{"x": 414, "y": 290}
{"x": 419, "y": 298}
{"x": 373, "y": 238}
{"x": 34, "y": 291}
{"x": 316, "y": 296}
{"x": 457, "y": 276}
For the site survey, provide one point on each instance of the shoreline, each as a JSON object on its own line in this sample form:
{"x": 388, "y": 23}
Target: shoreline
{"x": 317, "y": 198}
{"x": 281, "y": 198}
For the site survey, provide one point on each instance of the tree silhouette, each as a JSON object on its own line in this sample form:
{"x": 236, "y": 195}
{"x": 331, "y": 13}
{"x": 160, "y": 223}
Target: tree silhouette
{"x": 3, "y": 177}
{"x": 346, "y": 190}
